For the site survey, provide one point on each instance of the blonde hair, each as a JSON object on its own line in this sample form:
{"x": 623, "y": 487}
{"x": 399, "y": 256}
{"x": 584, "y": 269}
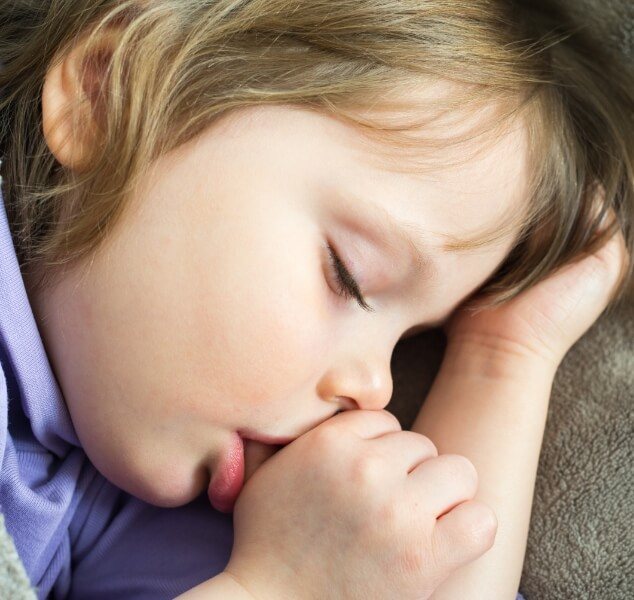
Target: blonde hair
{"x": 180, "y": 65}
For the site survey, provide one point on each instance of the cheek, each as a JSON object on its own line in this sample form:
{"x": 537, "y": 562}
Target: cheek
{"x": 260, "y": 311}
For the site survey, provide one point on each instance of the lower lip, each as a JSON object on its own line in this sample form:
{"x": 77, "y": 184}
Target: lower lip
{"x": 227, "y": 481}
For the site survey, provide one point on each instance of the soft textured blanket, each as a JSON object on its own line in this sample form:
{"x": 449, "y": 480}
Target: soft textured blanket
{"x": 14, "y": 583}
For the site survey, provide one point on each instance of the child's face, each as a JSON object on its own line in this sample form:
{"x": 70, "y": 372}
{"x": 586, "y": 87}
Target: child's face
{"x": 213, "y": 307}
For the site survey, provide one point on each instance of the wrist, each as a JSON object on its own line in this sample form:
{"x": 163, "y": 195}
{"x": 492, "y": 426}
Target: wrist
{"x": 496, "y": 358}
{"x": 272, "y": 582}
{"x": 239, "y": 588}
{"x": 223, "y": 586}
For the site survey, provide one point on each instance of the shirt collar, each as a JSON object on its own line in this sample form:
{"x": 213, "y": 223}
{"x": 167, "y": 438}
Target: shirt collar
{"x": 40, "y": 394}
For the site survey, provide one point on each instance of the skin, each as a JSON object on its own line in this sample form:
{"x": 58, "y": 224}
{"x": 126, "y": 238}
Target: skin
{"x": 213, "y": 305}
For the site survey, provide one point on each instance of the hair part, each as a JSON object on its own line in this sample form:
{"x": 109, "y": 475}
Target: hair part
{"x": 178, "y": 66}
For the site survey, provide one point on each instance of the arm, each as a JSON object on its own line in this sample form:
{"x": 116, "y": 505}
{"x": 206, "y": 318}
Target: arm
{"x": 491, "y": 407}
{"x": 490, "y": 401}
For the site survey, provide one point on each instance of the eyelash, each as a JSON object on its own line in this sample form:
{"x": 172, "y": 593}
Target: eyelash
{"x": 347, "y": 286}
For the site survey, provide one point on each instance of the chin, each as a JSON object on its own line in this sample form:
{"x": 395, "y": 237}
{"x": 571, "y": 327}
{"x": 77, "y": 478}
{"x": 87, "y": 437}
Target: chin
{"x": 164, "y": 491}
{"x": 163, "y": 498}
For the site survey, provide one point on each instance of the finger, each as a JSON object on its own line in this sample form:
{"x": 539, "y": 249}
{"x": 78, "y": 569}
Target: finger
{"x": 446, "y": 481}
{"x": 366, "y": 424}
{"x": 465, "y": 533}
{"x": 604, "y": 264}
{"x": 599, "y": 274}
{"x": 406, "y": 449}
{"x": 615, "y": 256}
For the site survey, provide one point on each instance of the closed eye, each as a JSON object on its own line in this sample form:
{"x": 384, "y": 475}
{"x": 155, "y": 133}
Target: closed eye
{"x": 346, "y": 283}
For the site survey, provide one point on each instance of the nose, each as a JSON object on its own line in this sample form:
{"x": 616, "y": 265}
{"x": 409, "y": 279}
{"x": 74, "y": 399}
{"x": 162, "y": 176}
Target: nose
{"x": 365, "y": 384}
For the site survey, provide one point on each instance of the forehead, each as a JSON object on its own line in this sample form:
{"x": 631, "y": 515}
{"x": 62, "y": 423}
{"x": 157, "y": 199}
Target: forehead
{"x": 463, "y": 175}
{"x": 464, "y": 171}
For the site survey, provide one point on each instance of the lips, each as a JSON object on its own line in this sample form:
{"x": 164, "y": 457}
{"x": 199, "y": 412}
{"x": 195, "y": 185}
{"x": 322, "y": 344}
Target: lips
{"x": 227, "y": 481}
{"x": 231, "y": 473}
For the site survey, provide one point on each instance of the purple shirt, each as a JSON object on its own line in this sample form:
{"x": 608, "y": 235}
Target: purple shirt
{"x": 78, "y": 535}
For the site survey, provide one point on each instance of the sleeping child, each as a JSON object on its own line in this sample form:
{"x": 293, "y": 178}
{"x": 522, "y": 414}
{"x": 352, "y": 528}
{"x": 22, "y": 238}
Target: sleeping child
{"x": 219, "y": 217}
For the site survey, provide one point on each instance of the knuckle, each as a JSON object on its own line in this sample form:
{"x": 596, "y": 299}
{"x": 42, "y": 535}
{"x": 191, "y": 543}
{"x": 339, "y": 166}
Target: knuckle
{"x": 326, "y": 438}
{"x": 419, "y": 442}
{"x": 386, "y": 416}
{"x": 484, "y": 533}
{"x": 480, "y": 530}
{"x": 362, "y": 417}
{"x": 366, "y": 468}
{"x": 462, "y": 469}
{"x": 427, "y": 443}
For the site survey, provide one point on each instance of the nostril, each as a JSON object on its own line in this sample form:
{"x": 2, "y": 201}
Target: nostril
{"x": 346, "y": 403}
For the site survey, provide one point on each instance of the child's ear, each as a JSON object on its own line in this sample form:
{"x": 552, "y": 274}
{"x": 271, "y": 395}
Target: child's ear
{"x": 71, "y": 99}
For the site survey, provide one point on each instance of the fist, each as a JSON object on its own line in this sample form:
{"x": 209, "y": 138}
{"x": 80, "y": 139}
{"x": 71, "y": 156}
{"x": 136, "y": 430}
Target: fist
{"x": 356, "y": 508}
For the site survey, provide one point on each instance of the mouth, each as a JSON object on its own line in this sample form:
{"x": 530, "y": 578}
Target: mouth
{"x": 231, "y": 473}
{"x": 228, "y": 479}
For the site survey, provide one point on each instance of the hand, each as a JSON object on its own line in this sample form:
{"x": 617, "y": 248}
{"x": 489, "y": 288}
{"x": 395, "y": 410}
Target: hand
{"x": 547, "y": 319}
{"x": 357, "y": 508}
